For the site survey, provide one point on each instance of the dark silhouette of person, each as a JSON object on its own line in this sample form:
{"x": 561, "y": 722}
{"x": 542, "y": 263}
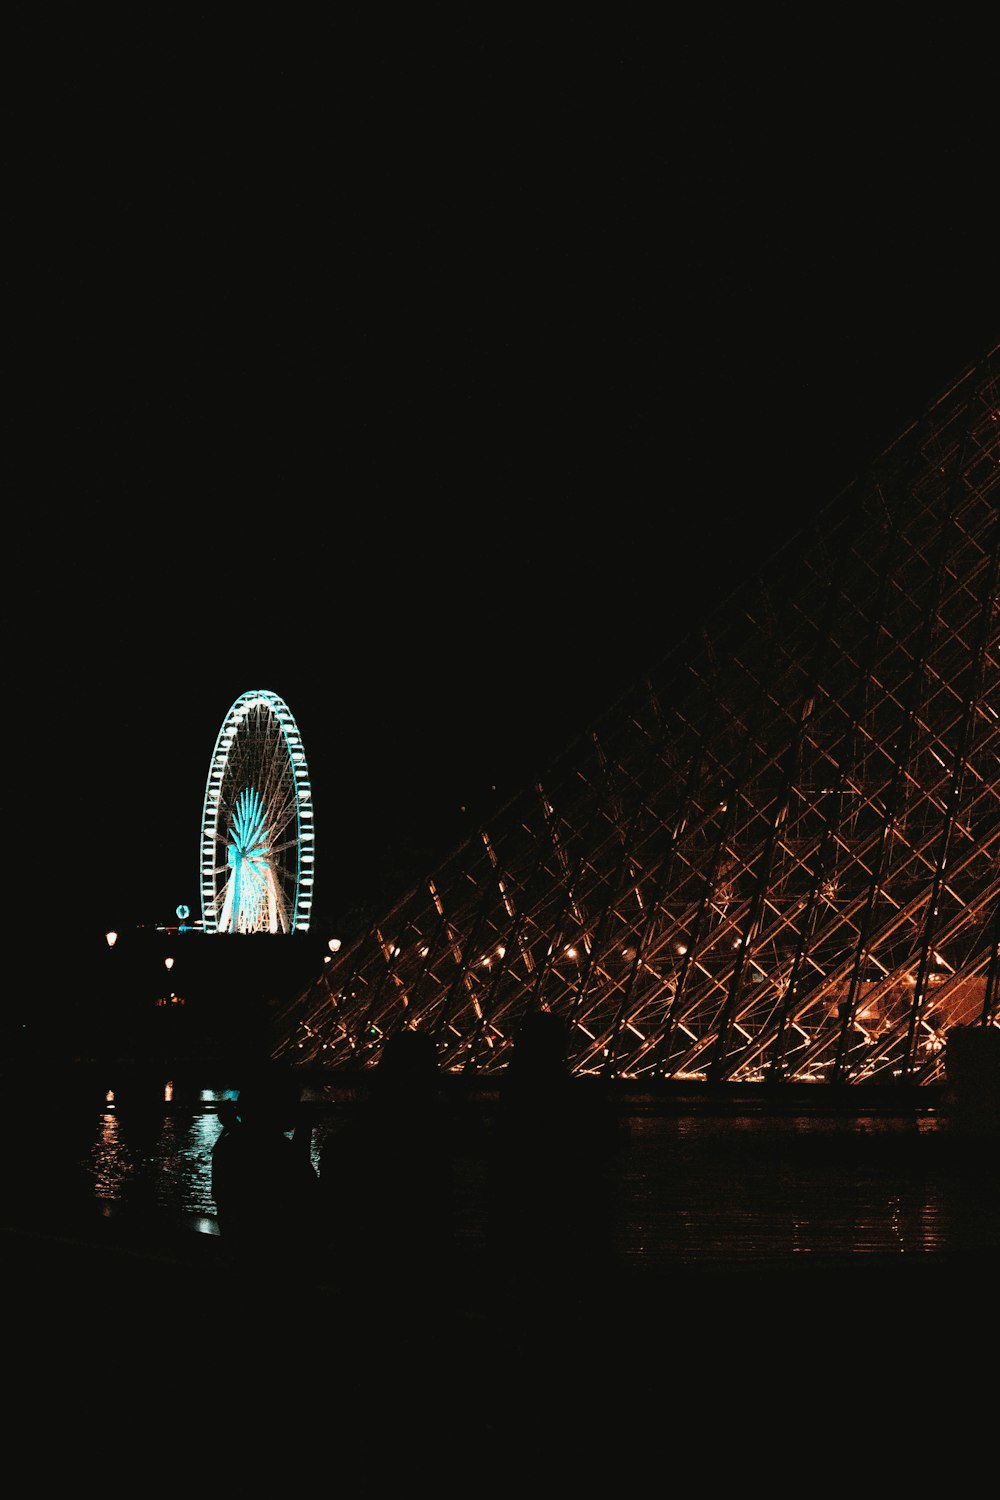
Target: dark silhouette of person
{"x": 408, "y": 1294}
{"x": 386, "y": 1182}
{"x": 552, "y": 1181}
{"x": 263, "y": 1181}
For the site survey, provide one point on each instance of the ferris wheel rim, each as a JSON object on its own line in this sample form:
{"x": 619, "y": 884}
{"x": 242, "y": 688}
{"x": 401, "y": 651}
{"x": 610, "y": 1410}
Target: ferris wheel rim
{"x": 304, "y": 830}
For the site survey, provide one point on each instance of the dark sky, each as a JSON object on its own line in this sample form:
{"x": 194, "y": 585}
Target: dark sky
{"x": 437, "y": 382}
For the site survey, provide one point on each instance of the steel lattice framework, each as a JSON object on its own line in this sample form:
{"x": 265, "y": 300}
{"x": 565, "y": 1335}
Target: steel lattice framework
{"x": 776, "y": 859}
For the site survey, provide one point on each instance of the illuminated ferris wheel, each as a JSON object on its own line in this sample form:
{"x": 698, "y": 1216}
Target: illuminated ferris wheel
{"x": 257, "y": 835}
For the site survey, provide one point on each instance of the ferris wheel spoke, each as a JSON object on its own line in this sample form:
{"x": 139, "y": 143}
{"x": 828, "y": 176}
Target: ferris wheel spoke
{"x": 258, "y": 842}
{"x": 282, "y": 848}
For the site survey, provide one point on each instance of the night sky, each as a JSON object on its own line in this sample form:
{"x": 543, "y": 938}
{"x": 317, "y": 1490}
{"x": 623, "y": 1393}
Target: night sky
{"x": 437, "y": 382}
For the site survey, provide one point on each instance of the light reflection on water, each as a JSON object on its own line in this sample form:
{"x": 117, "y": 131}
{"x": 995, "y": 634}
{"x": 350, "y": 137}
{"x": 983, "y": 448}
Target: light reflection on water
{"x": 699, "y": 1188}
{"x": 689, "y": 1188}
{"x": 145, "y": 1155}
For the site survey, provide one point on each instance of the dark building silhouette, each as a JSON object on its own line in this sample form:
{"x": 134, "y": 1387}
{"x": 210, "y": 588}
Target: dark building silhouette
{"x": 776, "y": 857}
